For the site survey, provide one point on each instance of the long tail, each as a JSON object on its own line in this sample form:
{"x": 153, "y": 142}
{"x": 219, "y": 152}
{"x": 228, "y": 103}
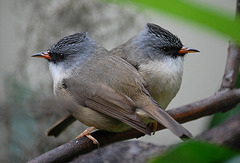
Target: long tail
{"x": 60, "y": 125}
{"x": 154, "y": 110}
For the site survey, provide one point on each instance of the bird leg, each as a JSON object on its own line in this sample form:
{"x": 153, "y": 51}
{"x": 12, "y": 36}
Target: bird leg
{"x": 153, "y": 126}
{"x": 87, "y": 134}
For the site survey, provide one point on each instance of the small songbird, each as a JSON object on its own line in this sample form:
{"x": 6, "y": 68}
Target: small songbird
{"x": 158, "y": 55}
{"x": 102, "y": 90}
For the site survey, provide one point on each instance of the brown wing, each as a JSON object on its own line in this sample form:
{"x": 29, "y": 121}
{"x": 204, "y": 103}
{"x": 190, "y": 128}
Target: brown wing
{"x": 104, "y": 99}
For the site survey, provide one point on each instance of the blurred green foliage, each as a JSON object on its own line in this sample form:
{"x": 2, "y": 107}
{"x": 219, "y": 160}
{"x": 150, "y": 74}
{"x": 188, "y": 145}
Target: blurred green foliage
{"x": 196, "y": 151}
{"x": 215, "y": 19}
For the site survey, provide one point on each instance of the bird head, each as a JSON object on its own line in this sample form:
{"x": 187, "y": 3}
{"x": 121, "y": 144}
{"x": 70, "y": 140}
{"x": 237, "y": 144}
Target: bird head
{"x": 157, "y": 42}
{"x": 69, "y": 50}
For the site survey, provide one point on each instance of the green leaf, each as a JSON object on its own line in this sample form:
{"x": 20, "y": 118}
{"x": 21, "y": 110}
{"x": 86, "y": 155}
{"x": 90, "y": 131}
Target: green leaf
{"x": 204, "y": 15}
{"x": 196, "y": 151}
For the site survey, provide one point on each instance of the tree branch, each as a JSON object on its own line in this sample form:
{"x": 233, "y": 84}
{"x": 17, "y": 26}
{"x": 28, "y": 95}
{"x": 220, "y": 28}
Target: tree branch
{"x": 227, "y": 133}
{"x": 216, "y": 135}
{"x": 232, "y": 66}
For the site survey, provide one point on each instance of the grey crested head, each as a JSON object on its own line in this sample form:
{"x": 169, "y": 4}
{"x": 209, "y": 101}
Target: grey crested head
{"x": 67, "y": 54}
{"x": 71, "y": 48}
{"x": 156, "y": 42}
{"x": 151, "y": 44}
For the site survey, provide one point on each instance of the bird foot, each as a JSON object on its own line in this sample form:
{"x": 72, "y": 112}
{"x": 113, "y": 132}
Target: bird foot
{"x": 87, "y": 134}
{"x": 153, "y": 126}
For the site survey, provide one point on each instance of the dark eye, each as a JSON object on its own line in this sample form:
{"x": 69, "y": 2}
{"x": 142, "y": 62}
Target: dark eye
{"x": 166, "y": 49}
{"x": 61, "y": 56}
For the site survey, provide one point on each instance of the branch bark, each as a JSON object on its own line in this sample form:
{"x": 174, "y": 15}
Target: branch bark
{"x": 217, "y": 135}
{"x": 232, "y": 67}
{"x": 135, "y": 151}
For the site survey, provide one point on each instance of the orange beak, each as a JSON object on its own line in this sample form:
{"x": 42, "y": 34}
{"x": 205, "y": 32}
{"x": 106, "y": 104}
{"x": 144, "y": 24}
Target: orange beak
{"x": 42, "y": 55}
{"x": 186, "y": 50}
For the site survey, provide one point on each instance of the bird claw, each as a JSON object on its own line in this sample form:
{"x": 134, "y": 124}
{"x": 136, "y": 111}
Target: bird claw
{"x": 153, "y": 126}
{"x": 87, "y": 134}
{"x": 93, "y": 140}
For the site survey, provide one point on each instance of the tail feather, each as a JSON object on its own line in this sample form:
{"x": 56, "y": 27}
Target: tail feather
{"x": 154, "y": 110}
{"x": 60, "y": 125}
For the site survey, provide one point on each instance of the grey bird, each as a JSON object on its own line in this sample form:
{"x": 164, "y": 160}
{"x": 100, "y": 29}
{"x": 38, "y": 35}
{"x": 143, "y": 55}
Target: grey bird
{"x": 158, "y": 55}
{"x": 101, "y": 90}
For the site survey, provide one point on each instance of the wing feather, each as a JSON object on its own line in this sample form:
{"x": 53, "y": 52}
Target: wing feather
{"x": 106, "y": 100}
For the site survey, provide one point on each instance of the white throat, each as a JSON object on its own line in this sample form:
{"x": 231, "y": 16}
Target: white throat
{"x": 58, "y": 74}
{"x": 164, "y": 78}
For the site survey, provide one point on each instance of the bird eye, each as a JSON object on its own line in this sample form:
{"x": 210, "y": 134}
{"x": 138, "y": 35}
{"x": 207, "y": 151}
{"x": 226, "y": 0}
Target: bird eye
{"x": 166, "y": 49}
{"x": 61, "y": 56}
